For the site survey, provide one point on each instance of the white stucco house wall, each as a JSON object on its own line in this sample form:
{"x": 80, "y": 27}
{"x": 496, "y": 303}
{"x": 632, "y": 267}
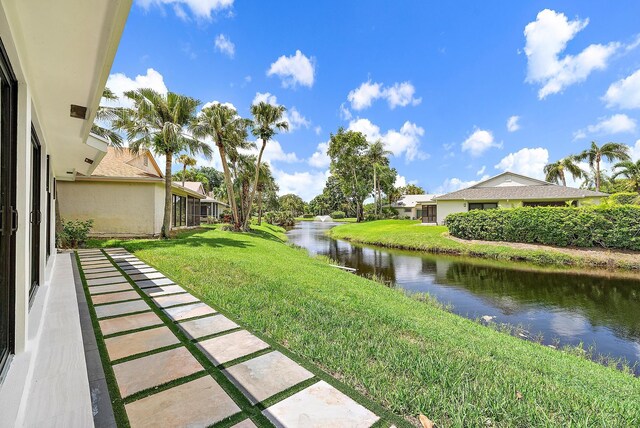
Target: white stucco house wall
{"x": 412, "y": 206}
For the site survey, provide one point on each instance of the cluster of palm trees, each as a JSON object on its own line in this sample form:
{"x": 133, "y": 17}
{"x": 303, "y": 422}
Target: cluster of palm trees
{"x": 169, "y": 124}
{"x": 558, "y": 172}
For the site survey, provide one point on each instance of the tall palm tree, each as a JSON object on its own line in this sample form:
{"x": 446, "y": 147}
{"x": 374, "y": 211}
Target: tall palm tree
{"x": 609, "y": 151}
{"x": 158, "y": 122}
{"x": 267, "y": 121}
{"x": 107, "y": 114}
{"x": 186, "y": 161}
{"x": 631, "y": 171}
{"x": 228, "y": 131}
{"x": 378, "y": 157}
{"x": 556, "y": 172}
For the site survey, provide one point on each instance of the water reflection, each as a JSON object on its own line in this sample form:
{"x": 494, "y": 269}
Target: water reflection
{"x": 595, "y": 310}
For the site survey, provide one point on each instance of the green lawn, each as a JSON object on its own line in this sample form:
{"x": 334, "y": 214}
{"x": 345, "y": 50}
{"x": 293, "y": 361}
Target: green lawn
{"x": 410, "y": 235}
{"x": 404, "y": 353}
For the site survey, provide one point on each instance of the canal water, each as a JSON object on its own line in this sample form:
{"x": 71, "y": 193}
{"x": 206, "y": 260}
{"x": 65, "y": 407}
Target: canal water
{"x": 602, "y": 311}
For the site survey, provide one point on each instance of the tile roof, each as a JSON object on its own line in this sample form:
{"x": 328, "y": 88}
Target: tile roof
{"x": 119, "y": 163}
{"x": 539, "y": 192}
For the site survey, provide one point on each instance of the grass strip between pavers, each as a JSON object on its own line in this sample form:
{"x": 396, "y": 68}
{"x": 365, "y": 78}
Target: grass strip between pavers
{"x": 254, "y": 412}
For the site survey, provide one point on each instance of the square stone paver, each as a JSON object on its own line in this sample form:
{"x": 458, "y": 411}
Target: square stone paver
{"x": 163, "y": 290}
{"x": 154, "y": 282}
{"x": 180, "y": 313}
{"x": 114, "y": 297}
{"x": 96, "y": 265}
{"x": 320, "y": 405}
{"x": 199, "y": 403}
{"x": 245, "y": 424}
{"x": 123, "y": 286}
{"x": 174, "y": 299}
{"x": 139, "y": 341}
{"x": 155, "y": 369}
{"x": 135, "y": 270}
{"x": 143, "y": 276}
{"x": 86, "y": 260}
{"x": 110, "y": 268}
{"x": 105, "y": 281}
{"x": 264, "y": 376}
{"x": 207, "y": 326}
{"x": 129, "y": 322}
{"x": 97, "y": 275}
{"x": 121, "y": 308}
{"x": 225, "y": 348}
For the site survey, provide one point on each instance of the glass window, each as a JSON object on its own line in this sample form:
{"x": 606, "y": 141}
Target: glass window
{"x": 483, "y": 206}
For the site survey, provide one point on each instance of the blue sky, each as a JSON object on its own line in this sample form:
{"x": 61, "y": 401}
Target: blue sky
{"x": 437, "y": 83}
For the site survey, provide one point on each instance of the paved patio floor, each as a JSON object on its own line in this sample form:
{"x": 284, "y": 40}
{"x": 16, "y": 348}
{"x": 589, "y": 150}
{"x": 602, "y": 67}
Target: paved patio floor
{"x": 178, "y": 362}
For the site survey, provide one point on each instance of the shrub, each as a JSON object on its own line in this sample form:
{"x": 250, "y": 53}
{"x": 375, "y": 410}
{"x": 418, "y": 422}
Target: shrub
{"x": 338, "y": 214}
{"x": 307, "y": 215}
{"x": 624, "y": 198}
{"x": 74, "y": 233}
{"x": 279, "y": 218}
{"x": 598, "y": 226}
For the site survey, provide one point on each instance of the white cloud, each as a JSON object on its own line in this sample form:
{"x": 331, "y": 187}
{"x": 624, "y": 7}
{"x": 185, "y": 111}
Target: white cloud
{"x": 404, "y": 141}
{"x": 306, "y": 184}
{"x": 481, "y": 170}
{"x": 265, "y": 97}
{"x": 345, "y": 114}
{"x": 294, "y": 70}
{"x": 211, "y": 103}
{"x": 512, "y": 123}
{"x": 225, "y": 45}
{"x": 318, "y": 130}
{"x": 292, "y": 116}
{"x": 200, "y": 8}
{"x": 320, "y": 158}
{"x": 529, "y": 162}
{"x": 635, "y": 151}
{"x": 453, "y": 184}
{"x": 401, "y": 181}
{"x": 546, "y": 39}
{"x": 479, "y": 142}
{"x": 119, "y": 83}
{"x": 273, "y": 152}
{"x": 616, "y": 124}
{"x": 399, "y": 94}
{"x": 624, "y": 93}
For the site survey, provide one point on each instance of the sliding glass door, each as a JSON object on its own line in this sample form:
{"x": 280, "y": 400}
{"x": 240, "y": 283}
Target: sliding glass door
{"x": 8, "y": 213}
{"x": 36, "y": 213}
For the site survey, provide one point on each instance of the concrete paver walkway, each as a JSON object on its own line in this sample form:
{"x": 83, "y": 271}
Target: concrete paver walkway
{"x": 160, "y": 373}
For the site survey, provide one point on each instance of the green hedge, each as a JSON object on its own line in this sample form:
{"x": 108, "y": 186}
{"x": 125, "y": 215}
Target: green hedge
{"x": 599, "y": 226}
{"x": 624, "y": 198}
{"x": 338, "y": 214}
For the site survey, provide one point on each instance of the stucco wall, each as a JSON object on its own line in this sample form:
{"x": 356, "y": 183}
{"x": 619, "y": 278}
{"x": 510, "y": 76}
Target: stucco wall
{"x": 449, "y": 207}
{"x": 117, "y": 209}
{"x": 403, "y": 214}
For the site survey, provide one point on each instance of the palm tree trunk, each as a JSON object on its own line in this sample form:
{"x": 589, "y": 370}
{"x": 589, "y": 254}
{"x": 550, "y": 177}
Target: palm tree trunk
{"x": 375, "y": 190}
{"x": 564, "y": 180}
{"x": 184, "y": 171}
{"x": 597, "y": 174}
{"x": 166, "y": 222}
{"x": 255, "y": 186}
{"x": 227, "y": 180}
{"x": 259, "y": 208}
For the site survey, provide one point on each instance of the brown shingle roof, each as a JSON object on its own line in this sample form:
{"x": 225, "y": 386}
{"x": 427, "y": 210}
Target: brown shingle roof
{"x": 530, "y": 193}
{"x": 120, "y": 163}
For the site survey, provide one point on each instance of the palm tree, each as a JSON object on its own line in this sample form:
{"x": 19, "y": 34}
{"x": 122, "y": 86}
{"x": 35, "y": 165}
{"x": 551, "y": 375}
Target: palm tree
{"x": 267, "y": 121}
{"x": 104, "y": 114}
{"x": 186, "y": 161}
{"x": 228, "y": 131}
{"x": 157, "y": 122}
{"x": 631, "y": 171}
{"x": 556, "y": 172}
{"x": 609, "y": 151}
{"x": 378, "y": 157}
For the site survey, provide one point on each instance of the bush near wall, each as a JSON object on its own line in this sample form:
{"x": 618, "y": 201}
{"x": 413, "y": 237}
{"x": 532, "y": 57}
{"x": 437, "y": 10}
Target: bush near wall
{"x": 598, "y": 226}
{"x": 624, "y": 198}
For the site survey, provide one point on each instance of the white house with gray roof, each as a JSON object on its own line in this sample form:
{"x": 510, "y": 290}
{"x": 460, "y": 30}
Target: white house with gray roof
{"x": 510, "y": 190}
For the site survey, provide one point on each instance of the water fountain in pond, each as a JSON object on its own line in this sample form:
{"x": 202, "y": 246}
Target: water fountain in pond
{"x": 323, "y": 218}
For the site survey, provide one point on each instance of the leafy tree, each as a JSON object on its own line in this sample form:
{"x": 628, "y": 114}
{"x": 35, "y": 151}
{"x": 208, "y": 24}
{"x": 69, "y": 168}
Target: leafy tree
{"x": 267, "y": 121}
{"x": 107, "y": 114}
{"x": 556, "y": 172}
{"x": 293, "y": 204}
{"x": 609, "y": 151}
{"x": 378, "y": 157}
{"x": 214, "y": 177}
{"x": 228, "y": 131}
{"x": 186, "y": 161}
{"x": 631, "y": 171}
{"x": 349, "y": 164}
{"x": 411, "y": 189}
{"x": 158, "y": 122}
{"x": 192, "y": 175}
{"x": 388, "y": 178}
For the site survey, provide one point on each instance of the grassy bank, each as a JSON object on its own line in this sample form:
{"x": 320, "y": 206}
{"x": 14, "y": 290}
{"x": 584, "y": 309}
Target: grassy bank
{"x": 406, "y": 354}
{"x": 409, "y": 235}
{"x": 337, "y": 220}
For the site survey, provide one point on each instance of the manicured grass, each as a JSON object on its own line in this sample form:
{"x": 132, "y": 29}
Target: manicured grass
{"x": 406, "y": 354}
{"x": 337, "y": 220}
{"x": 410, "y": 235}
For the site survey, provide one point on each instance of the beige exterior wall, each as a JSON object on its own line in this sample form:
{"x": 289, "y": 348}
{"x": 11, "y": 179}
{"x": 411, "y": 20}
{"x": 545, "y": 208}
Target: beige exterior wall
{"x": 449, "y": 207}
{"x": 117, "y": 208}
{"x": 409, "y": 213}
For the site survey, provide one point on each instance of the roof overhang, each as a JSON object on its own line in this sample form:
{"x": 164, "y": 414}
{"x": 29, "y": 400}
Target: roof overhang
{"x": 64, "y": 50}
